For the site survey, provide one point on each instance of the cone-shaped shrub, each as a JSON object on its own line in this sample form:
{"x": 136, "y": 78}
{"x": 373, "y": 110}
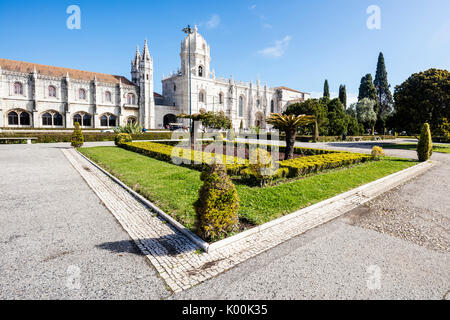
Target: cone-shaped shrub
{"x": 218, "y": 204}
{"x": 425, "y": 145}
{"x": 121, "y": 138}
{"x": 77, "y": 136}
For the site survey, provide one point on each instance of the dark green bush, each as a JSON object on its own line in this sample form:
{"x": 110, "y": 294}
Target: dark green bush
{"x": 121, "y": 138}
{"x": 425, "y": 145}
{"x": 53, "y": 137}
{"x": 77, "y": 136}
{"x": 218, "y": 204}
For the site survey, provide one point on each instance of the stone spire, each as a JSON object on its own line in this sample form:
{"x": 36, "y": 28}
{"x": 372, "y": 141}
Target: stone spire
{"x": 137, "y": 56}
{"x": 145, "y": 51}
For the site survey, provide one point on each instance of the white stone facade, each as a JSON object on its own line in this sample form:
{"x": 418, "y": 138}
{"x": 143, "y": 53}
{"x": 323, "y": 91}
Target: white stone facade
{"x": 38, "y": 96}
{"x": 241, "y": 101}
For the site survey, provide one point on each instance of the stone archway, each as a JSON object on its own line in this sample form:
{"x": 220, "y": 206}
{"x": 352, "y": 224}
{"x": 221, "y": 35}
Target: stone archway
{"x": 259, "y": 120}
{"x": 168, "y": 119}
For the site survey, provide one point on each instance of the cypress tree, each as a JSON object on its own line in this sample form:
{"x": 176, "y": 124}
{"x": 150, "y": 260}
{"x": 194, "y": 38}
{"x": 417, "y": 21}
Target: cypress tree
{"x": 343, "y": 95}
{"x": 425, "y": 145}
{"x": 367, "y": 89}
{"x": 77, "y": 136}
{"x": 384, "y": 96}
{"x": 326, "y": 90}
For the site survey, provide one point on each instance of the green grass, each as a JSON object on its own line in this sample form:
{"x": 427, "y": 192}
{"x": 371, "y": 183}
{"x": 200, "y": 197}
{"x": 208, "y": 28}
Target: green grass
{"x": 174, "y": 189}
{"x": 413, "y": 146}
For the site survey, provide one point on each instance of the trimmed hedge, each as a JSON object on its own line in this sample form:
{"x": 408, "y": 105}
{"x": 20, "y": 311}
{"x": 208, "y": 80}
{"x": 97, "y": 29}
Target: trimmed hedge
{"x": 305, "y": 165}
{"x": 198, "y": 160}
{"x": 184, "y": 156}
{"x": 48, "y": 137}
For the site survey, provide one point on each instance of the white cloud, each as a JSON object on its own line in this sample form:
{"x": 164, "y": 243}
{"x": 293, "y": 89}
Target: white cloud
{"x": 213, "y": 22}
{"x": 278, "y": 49}
{"x": 267, "y": 26}
{"x": 253, "y": 7}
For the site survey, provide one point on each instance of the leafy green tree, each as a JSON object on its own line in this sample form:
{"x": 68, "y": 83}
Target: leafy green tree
{"x": 343, "y": 95}
{"x": 354, "y": 128}
{"x": 211, "y": 120}
{"x": 365, "y": 112}
{"x": 338, "y": 120}
{"x": 423, "y": 98}
{"x": 384, "y": 95}
{"x": 351, "y": 110}
{"x": 367, "y": 89}
{"x": 326, "y": 90}
{"x": 289, "y": 124}
{"x": 312, "y": 107}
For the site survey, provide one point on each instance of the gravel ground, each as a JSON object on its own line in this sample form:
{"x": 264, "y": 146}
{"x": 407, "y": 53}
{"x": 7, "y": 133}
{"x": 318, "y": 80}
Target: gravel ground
{"x": 54, "y": 231}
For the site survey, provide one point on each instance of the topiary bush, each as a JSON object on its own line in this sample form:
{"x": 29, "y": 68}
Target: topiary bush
{"x": 377, "y": 152}
{"x": 425, "y": 145}
{"x": 260, "y": 165}
{"x": 217, "y": 205}
{"x": 77, "y": 136}
{"x": 121, "y": 138}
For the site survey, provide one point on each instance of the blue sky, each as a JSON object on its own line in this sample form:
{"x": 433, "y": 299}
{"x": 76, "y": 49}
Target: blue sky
{"x": 292, "y": 43}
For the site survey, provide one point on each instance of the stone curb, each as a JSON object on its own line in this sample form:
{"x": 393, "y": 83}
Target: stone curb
{"x": 193, "y": 237}
{"x": 363, "y": 193}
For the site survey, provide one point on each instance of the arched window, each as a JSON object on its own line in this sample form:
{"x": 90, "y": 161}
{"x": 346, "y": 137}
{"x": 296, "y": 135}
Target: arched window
{"x": 46, "y": 119}
{"x": 200, "y": 71}
{"x": 13, "y": 118}
{"x": 131, "y": 98}
{"x": 201, "y": 96}
{"x": 241, "y": 106}
{"x": 108, "y": 96}
{"x": 57, "y": 119}
{"x": 25, "y": 119}
{"x": 104, "y": 121}
{"x": 108, "y": 120}
{"x": 258, "y": 103}
{"x": 18, "y": 88}
{"x": 112, "y": 121}
{"x": 77, "y": 118}
{"x": 220, "y": 98}
{"x": 272, "y": 107}
{"x": 131, "y": 120}
{"x": 82, "y": 94}
{"x": 87, "y": 120}
{"x": 52, "y": 91}
{"x": 174, "y": 87}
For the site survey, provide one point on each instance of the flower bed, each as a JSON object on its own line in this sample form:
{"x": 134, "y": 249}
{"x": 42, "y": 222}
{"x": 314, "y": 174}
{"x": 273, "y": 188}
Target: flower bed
{"x": 305, "y": 165}
{"x": 318, "y": 161}
{"x": 182, "y": 156}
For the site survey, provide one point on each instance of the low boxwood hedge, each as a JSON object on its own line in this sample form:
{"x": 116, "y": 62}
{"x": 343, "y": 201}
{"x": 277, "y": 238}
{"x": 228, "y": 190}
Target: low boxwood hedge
{"x": 305, "y": 165}
{"x": 49, "y": 137}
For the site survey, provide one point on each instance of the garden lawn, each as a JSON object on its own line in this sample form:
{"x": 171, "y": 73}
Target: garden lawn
{"x": 442, "y": 148}
{"x": 174, "y": 189}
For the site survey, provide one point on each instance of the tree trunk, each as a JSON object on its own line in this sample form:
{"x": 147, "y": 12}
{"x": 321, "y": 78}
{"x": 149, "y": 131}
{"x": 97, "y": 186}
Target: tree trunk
{"x": 316, "y": 131}
{"x": 290, "y": 141}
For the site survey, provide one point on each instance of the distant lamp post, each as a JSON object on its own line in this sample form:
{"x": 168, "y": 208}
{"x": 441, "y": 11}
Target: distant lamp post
{"x": 188, "y": 30}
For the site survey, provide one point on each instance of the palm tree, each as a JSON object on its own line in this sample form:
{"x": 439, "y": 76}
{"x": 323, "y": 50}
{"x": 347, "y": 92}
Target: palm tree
{"x": 289, "y": 124}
